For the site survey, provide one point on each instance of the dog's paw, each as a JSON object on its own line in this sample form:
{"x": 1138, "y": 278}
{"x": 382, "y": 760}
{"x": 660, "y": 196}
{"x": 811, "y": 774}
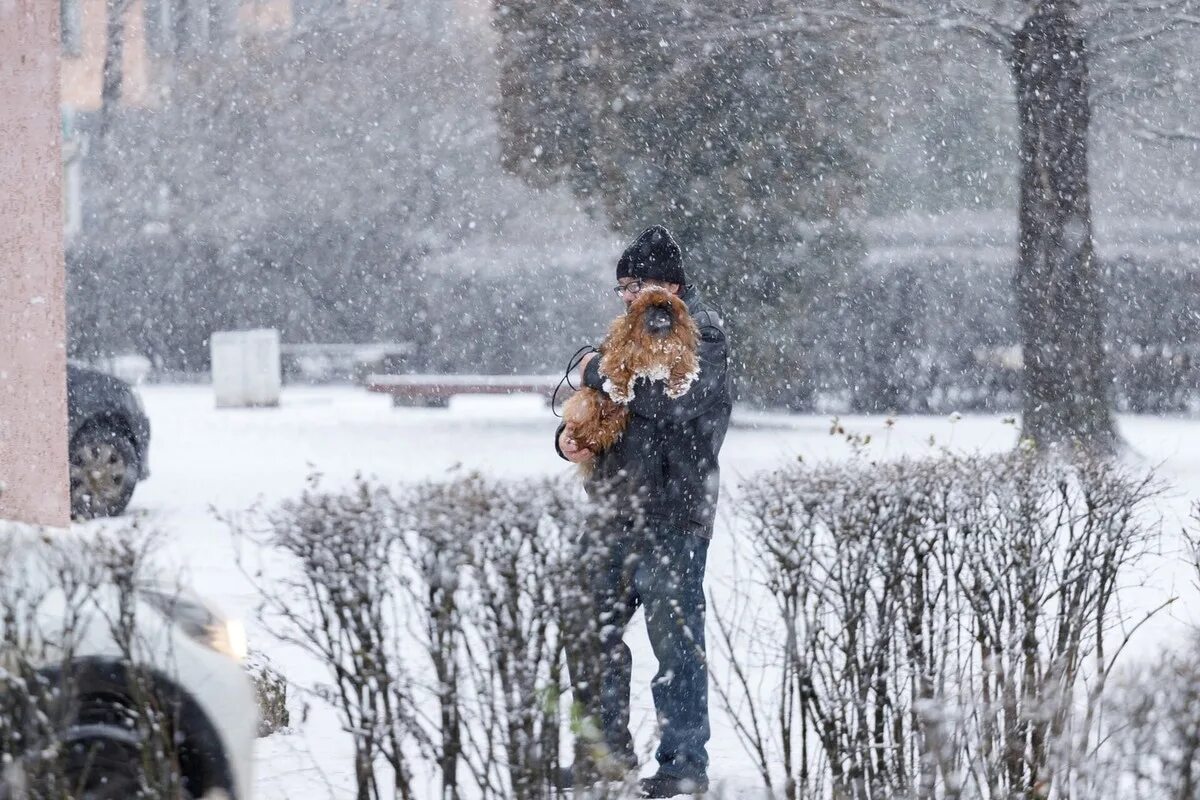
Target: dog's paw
{"x": 618, "y": 394}
{"x": 680, "y": 385}
{"x": 677, "y": 390}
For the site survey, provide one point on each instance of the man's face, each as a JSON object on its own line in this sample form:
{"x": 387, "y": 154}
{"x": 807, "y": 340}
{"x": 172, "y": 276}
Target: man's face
{"x": 629, "y": 288}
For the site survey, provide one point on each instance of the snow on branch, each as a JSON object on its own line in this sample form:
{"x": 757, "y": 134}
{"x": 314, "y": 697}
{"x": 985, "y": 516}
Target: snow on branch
{"x": 1153, "y": 19}
{"x": 1173, "y": 23}
{"x": 1149, "y": 132}
{"x": 1117, "y": 8}
{"x": 936, "y": 627}
{"x": 958, "y": 17}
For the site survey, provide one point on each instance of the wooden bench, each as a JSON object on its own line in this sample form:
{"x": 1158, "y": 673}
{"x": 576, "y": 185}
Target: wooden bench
{"x": 436, "y": 390}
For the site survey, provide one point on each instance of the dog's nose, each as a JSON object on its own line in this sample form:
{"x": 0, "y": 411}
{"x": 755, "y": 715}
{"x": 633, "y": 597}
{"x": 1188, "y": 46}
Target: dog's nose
{"x": 658, "y": 321}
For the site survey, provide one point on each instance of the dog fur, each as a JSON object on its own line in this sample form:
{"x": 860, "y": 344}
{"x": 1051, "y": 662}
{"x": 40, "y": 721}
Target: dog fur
{"x": 631, "y": 350}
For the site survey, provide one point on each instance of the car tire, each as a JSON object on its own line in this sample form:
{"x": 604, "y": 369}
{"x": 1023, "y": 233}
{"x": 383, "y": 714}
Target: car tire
{"x": 97, "y": 768}
{"x": 103, "y": 770}
{"x": 104, "y": 472}
{"x": 106, "y": 758}
{"x": 109, "y": 770}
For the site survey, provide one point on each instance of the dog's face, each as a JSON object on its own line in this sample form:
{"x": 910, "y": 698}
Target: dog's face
{"x": 656, "y": 338}
{"x": 658, "y": 312}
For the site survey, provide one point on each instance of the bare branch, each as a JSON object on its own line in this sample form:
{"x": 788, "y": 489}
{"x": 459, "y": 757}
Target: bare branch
{"x": 1154, "y": 133}
{"x": 1172, "y": 24}
{"x": 959, "y": 17}
{"x": 1117, "y": 8}
{"x": 1149, "y": 132}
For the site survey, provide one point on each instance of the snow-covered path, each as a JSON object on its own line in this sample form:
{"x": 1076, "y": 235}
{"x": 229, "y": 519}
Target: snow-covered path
{"x": 206, "y": 461}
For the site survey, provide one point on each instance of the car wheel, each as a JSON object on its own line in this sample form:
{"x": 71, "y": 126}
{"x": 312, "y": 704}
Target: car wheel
{"x": 111, "y": 770}
{"x": 104, "y": 472}
{"x": 105, "y": 757}
{"x": 102, "y": 770}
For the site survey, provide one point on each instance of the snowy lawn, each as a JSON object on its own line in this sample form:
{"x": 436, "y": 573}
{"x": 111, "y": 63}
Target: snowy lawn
{"x": 206, "y": 462}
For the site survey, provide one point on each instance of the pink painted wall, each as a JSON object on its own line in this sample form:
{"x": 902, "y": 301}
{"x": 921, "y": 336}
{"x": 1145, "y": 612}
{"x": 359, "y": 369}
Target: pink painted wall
{"x": 33, "y": 403}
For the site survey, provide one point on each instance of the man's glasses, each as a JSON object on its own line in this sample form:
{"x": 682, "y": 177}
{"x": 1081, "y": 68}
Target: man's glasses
{"x": 633, "y": 287}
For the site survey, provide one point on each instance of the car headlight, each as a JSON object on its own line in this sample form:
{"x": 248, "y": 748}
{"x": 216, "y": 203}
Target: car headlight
{"x": 200, "y": 621}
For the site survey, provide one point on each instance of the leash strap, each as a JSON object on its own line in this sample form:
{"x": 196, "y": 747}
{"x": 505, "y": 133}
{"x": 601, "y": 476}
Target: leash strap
{"x": 572, "y": 364}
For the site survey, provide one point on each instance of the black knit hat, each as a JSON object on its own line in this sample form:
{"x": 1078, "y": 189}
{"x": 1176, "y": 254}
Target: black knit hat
{"x": 655, "y": 255}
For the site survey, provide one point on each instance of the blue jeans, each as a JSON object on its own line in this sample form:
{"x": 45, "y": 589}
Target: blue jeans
{"x": 662, "y": 570}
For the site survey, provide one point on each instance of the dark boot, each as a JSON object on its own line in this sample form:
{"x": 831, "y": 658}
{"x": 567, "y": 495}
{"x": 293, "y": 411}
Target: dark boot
{"x": 567, "y": 779}
{"x": 583, "y": 775}
{"x": 663, "y": 785}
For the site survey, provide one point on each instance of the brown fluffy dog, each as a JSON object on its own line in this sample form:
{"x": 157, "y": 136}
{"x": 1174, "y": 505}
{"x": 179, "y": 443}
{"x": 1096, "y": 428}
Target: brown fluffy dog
{"x": 655, "y": 338}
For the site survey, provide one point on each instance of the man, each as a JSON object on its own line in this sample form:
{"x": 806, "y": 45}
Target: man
{"x": 659, "y": 487}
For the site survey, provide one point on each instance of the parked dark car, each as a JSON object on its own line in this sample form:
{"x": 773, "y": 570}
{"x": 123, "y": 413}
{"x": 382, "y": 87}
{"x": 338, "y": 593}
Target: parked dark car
{"x": 109, "y": 442}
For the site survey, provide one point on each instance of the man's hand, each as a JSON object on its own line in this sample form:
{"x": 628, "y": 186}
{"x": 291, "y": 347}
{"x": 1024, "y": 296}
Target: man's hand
{"x": 571, "y": 449}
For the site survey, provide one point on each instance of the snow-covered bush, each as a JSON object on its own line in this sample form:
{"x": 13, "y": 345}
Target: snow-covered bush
{"x": 57, "y": 593}
{"x": 438, "y": 611}
{"x": 511, "y": 541}
{"x": 339, "y": 599}
{"x": 1149, "y": 742}
{"x": 933, "y": 623}
{"x": 1152, "y": 716}
{"x": 270, "y": 689}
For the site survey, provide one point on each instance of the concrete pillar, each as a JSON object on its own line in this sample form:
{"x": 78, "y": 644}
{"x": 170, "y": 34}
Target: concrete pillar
{"x": 33, "y": 399}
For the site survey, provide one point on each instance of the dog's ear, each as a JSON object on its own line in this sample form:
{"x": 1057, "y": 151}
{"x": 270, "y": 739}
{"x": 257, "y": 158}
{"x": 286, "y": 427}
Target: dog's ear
{"x": 686, "y": 330}
{"x": 620, "y": 356}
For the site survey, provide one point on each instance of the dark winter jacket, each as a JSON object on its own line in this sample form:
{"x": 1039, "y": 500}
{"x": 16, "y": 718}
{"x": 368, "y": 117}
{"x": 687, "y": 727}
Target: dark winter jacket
{"x": 665, "y": 465}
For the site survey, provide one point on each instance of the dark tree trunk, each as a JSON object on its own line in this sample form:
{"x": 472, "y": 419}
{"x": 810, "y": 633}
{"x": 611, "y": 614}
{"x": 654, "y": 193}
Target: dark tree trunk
{"x": 1059, "y": 283}
{"x": 114, "y": 55}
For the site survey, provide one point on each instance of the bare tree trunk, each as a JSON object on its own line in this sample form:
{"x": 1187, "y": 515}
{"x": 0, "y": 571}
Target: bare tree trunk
{"x": 1059, "y": 285}
{"x": 114, "y": 56}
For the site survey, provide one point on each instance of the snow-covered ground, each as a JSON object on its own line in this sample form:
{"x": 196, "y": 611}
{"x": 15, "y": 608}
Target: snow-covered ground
{"x": 206, "y": 462}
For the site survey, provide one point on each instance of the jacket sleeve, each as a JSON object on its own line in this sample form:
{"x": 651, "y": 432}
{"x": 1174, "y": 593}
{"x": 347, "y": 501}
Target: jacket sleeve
{"x": 592, "y": 378}
{"x": 591, "y": 375}
{"x": 557, "y": 434}
{"x": 650, "y": 400}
